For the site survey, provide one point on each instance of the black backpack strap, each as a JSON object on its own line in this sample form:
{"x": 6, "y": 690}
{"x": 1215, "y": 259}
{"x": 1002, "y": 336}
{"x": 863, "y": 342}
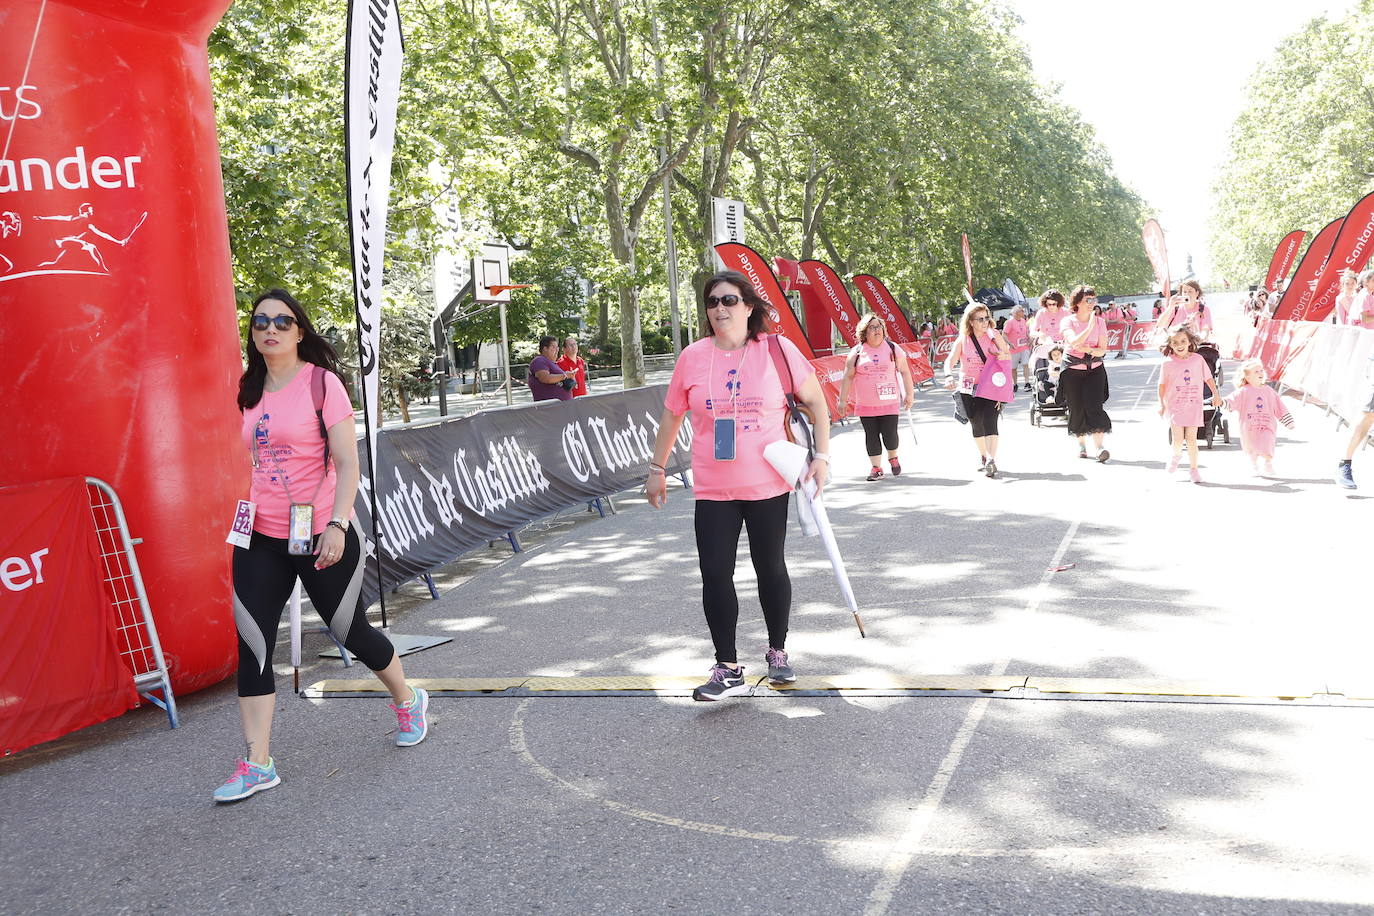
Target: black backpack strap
{"x": 979, "y": 347}
{"x": 317, "y": 395}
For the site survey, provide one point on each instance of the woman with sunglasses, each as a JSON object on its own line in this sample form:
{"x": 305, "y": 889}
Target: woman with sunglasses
{"x": 298, "y": 430}
{"x": 731, "y": 384}
{"x": 1084, "y": 378}
{"x": 979, "y": 340}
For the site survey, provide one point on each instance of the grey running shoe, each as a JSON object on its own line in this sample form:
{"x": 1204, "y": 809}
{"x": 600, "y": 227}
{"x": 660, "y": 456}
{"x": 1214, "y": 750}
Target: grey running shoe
{"x": 779, "y": 672}
{"x": 990, "y": 469}
{"x": 1344, "y": 476}
{"x": 724, "y": 682}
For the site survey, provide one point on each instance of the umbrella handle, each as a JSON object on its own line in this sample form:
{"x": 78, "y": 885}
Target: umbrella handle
{"x": 858, "y": 621}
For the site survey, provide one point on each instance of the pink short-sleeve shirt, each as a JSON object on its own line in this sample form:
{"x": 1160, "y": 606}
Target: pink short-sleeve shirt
{"x": 282, "y": 433}
{"x": 710, "y": 383}
{"x": 877, "y": 388}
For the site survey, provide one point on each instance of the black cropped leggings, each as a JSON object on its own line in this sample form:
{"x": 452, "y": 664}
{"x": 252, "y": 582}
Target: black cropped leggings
{"x": 718, "y": 526}
{"x": 879, "y": 432}
{"x": 264, "y": 574}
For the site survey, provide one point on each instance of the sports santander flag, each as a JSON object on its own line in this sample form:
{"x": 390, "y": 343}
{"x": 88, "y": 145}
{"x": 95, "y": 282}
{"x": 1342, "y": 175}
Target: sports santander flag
{"x": 885, "y": 307}
{"x": 1283, "y": 258}
{"x": 60, "y": 668}
{"x": 814, "y": 314}
{"x": 968, "y": 263}
{"x": 829, "y": 289}
{"x": 372, "y": 85}
{"x": 1153, "y": 237}
{"x": 1351, "y": 250}
{"x": 1299, "y": 291}
{"x": 779, "y": 314}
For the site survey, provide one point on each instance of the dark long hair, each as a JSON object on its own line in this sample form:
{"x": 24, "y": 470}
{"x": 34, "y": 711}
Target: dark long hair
{"x": 313, "y": 349}
{"x": 756, "y": 324}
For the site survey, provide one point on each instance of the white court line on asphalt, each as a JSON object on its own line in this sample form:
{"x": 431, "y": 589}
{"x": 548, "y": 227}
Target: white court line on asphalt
{"x": 908, "y": 845}
{"x": 1146, "y": 387}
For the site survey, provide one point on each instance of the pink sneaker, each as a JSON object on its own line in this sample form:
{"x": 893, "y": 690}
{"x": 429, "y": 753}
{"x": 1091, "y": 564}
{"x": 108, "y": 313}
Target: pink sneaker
{"x": 1173, "y": 465}
{"x": 1197, "y": 478}
{"x": 1268, "y": 468}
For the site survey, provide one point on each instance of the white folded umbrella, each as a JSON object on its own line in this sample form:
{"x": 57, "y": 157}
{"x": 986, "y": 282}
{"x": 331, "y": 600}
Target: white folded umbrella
{"x": 296, "y": 635}
{"x": 789, "y": 460}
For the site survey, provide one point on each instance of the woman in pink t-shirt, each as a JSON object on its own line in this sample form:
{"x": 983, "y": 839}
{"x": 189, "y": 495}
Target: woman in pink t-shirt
{"x": 1084, "y": 378}
{"x": 1186, "y": 309}
{"x": 1045, "y": 325}
{"x": 1343, "y": 313}
{"x": 979, "y": 340}
{"x": 881, "y": 379}
{"x": 1181, "y": 382}
{"x": 730, "y": 383}
{"x": 1362, "y": 309}
{"x": 304, "y": 479}
{"x": 1017, "y": 332}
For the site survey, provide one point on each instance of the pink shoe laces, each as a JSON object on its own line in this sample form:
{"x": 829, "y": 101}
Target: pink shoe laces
{"x": 404, "y": 714}
{"x": 244, "y": 769}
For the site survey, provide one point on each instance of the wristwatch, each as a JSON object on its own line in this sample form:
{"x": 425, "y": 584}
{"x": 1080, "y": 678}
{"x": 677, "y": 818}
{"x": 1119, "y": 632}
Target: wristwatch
{"x": 340, "y": 523}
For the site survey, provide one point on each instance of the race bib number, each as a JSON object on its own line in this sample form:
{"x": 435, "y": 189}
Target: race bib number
{"x": 966, "y": 384}
{"x": 241, "y": 531}
{"x": 887, "y": 392}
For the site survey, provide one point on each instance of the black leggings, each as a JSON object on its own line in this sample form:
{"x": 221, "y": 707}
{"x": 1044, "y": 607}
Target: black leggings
{"x": 884, "y": 427}
{"x": 263, "y": 577}
{"x": 718, "y": 525}
{"x": 982, "y": 415}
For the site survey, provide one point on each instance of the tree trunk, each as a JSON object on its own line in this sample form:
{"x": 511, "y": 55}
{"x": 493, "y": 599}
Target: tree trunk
{"x": 404, "y": 401}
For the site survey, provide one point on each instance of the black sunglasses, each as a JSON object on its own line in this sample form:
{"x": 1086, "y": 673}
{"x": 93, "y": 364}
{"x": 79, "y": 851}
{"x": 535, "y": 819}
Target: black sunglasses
{"x": 281, "y": 322}
{"x": 729, "y": 300}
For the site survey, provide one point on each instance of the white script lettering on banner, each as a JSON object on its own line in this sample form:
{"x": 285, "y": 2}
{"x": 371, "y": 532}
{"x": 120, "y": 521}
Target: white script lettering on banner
{"x": 19, "y": 573}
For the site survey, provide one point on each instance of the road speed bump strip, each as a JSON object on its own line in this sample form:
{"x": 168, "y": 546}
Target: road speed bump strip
{"x": 1294, "y": 692}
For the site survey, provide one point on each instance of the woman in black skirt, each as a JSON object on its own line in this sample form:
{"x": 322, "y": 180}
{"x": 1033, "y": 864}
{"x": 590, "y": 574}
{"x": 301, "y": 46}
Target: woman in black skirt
{"x": 1084, "y": 379}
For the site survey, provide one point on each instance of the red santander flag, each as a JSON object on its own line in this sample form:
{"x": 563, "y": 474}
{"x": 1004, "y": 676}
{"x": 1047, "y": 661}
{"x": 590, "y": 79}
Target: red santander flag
{"x": 1153, "y": 237}
{"x": 779, "y": 315}
{"x": 1299, "y": 291}
{"x": 1283, "y": 258}
{"x": 830, "y": 290}
{"x": 968, "y": 262}
{"x": 1351, "y": 251}
{"x": 886, "y": 308}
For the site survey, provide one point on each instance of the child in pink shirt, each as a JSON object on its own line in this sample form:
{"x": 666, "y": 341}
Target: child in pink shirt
{"x": 1181, "y": 383}
{"x": 1261, "y": 411}
{"x": 1017, "y": 332}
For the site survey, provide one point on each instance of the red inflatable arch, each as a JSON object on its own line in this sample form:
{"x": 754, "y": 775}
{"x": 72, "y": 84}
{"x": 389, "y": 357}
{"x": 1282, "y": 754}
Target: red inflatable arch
{"x": 116, "y": 300}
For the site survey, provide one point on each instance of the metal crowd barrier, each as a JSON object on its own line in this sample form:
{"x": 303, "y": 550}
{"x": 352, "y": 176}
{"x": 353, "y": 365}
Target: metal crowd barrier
{"x": 136, "y": 633}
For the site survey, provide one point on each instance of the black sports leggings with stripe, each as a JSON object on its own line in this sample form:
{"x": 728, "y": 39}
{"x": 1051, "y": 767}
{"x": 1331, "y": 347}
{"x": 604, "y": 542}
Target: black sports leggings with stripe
{"x": 264, "y": 574}
{"x": 718, "y": 524}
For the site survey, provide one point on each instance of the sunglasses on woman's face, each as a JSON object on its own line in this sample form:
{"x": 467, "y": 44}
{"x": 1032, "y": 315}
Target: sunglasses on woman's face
{"x": 280, "y": 322}
{"x": 981, "y": 318}
{"x": 728, "y": 300}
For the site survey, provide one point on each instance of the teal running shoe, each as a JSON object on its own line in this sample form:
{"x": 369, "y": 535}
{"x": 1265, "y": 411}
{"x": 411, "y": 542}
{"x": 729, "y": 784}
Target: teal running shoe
{"x": 412, "y": 725}
{"x": 248, "y": 779}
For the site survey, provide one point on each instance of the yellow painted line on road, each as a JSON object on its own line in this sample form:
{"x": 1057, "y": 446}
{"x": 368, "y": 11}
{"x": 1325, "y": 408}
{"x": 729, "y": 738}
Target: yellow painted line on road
{"x": 915, "y": 684}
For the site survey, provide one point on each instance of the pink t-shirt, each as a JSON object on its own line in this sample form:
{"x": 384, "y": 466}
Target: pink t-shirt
{"x": 289, "y": 444}
{"x": 1344, "y": 313}
{"x": 1048, "y": 322}
{"x": 971, "y": 364}
{"x": 1362, "y": 310}
{"x": 1071, "y": 327}
{"x": 710, "y": 383}
{"x": 1184, "y": 381}
{"x": 1018, "y": 334}
{"x": 877, "y": 387}
{"x": 1261, "y": 411}
{"x": 1198, "y": 318}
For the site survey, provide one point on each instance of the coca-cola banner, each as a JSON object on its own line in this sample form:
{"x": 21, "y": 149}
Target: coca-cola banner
{"x": 1140, "y": 333}
{"x": 830, "y": 290}
{"x": 1284, "y": 256}
{"x": 780, "y": 318}
{"x": 1153, "y": 237}
{"x": 1299, "y": 291}
{"x": 885, "y": 307}
{"x": 943, "y": 346}
{"x": 1350, "y": 251}
{"x": 60, "y": 669}
{"x": 449, "y": 486}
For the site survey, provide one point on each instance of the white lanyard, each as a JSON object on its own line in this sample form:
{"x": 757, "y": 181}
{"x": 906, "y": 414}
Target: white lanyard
{"x": 734, "y": 389}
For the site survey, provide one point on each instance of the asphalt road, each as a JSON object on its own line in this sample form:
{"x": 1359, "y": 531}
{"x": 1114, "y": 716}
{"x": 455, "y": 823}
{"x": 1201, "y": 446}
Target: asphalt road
{"x": 832, "y": 804}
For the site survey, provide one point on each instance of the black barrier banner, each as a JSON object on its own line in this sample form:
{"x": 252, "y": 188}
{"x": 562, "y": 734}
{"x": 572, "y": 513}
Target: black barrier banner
{"x": 448, "y": 486}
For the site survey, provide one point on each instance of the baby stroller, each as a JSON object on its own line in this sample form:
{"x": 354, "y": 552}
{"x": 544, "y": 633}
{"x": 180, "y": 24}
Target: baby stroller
{"x": 1048, "y": 399}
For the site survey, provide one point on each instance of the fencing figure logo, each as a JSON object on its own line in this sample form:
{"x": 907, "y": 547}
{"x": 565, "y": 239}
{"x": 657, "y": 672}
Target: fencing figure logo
{"x": 81, "y": 239}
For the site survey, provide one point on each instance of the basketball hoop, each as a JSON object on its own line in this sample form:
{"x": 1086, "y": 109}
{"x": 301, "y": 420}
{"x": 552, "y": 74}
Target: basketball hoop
{"x": 507, "y": 287}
